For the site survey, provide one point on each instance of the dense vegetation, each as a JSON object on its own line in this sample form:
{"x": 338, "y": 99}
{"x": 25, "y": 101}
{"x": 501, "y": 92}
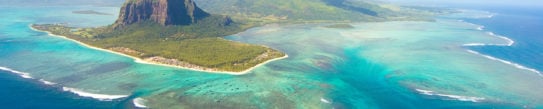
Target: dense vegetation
{"x": 199, "y": 44}
{"x": 310, "y": 10}
{"x": 340, "y": 26}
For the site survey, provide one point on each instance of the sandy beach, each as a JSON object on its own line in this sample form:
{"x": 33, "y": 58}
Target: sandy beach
{"x": 139, "y": 60}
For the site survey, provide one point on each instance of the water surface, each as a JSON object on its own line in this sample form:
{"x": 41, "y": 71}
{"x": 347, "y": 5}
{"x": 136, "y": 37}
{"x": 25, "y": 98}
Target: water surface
{"x": 374, "y": 65}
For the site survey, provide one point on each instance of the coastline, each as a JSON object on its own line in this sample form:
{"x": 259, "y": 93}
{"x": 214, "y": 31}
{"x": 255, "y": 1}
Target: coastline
{"x": 142, "y": 61}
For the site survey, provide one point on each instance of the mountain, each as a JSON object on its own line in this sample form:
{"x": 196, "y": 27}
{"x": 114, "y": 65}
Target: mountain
{"x": 164, "y": 12}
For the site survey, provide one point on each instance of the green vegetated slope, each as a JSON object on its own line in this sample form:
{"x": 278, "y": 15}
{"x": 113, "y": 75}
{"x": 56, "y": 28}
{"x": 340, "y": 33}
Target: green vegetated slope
{"x": 310, "y": 10}
{"x": 199, "y": 43}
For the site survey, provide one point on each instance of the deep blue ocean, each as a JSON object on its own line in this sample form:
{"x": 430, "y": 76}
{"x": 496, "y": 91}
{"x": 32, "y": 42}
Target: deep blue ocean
{"x": 20, "y": 93}
{"x": 524, "y": 25}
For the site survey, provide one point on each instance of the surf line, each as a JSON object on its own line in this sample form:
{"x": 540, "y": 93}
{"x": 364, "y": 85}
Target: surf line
{"x": 510, "y": 42}
{"x": 457, "y": 97}
{"x": 20, "y": 73}
{"x": 139, "y": 102}
{"x": 26, "y": 75}
{"x": 507, "y": 62}
{"x": 102, "y": 97}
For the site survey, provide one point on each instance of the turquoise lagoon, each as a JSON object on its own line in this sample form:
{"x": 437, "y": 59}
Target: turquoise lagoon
{"x": 374, "y": 65}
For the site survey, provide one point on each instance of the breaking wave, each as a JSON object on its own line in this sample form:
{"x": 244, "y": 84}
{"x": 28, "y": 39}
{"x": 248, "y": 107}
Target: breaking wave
{"x": 491, "y": 16}
{"x": 47, "y": 82}
{"x": 102, "y": 97}
{"x": 507, "y": 62}
{"x": 457, "y": 97}
{"x": 73, "y": 90}
{"x": 481, "y": 28}
{"x": 20, "y": 73}
{"x": 325, "y": 101}
{"x": 510, "y": 42}
{"x": 139, "y": 102}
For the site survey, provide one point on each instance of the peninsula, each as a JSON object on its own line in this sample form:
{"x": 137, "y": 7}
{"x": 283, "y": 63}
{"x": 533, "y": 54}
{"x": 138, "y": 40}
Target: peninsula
{"x": 174, "y": 33}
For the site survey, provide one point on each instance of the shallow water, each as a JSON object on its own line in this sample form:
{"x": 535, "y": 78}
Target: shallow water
{"x": 397, "y": 58}
{"x": 374, "y": 65}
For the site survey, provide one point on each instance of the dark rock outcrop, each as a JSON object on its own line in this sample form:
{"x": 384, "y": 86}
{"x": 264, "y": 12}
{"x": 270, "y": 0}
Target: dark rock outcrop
{"x": 226, "y": 21}
{"x": 164, "y": 12}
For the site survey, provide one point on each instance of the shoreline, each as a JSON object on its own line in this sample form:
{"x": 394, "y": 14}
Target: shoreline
{"x": 142, "y": 61}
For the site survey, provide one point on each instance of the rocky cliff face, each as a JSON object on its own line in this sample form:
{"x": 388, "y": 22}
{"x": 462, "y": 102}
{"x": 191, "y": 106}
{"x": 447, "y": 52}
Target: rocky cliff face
{"x": 164, "y": 12}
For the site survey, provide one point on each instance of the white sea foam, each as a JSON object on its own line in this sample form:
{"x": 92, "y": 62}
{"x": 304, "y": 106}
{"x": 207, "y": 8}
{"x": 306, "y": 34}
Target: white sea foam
{"x": 481, "y": 28}
{"x": 47, "y": 82}
{"x": 507, "y": 62}
{"x": 457, "y": 97}
{"x": 73, "y": 90}
{"x": 475, "y": 44}
{"x": 510, "y": 42}
{"x": 139, "y": 102}
{"x": 22, "y": 74}
{"x": 491, "y": 33}
{"x": 491, "y": 16}
{"x": 102, "y": 97}
{"x": 325, "y": 101}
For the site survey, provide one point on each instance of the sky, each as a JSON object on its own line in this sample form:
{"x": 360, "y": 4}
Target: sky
{"x": 60, "y": 2}
{"x": 472, "y": 2}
